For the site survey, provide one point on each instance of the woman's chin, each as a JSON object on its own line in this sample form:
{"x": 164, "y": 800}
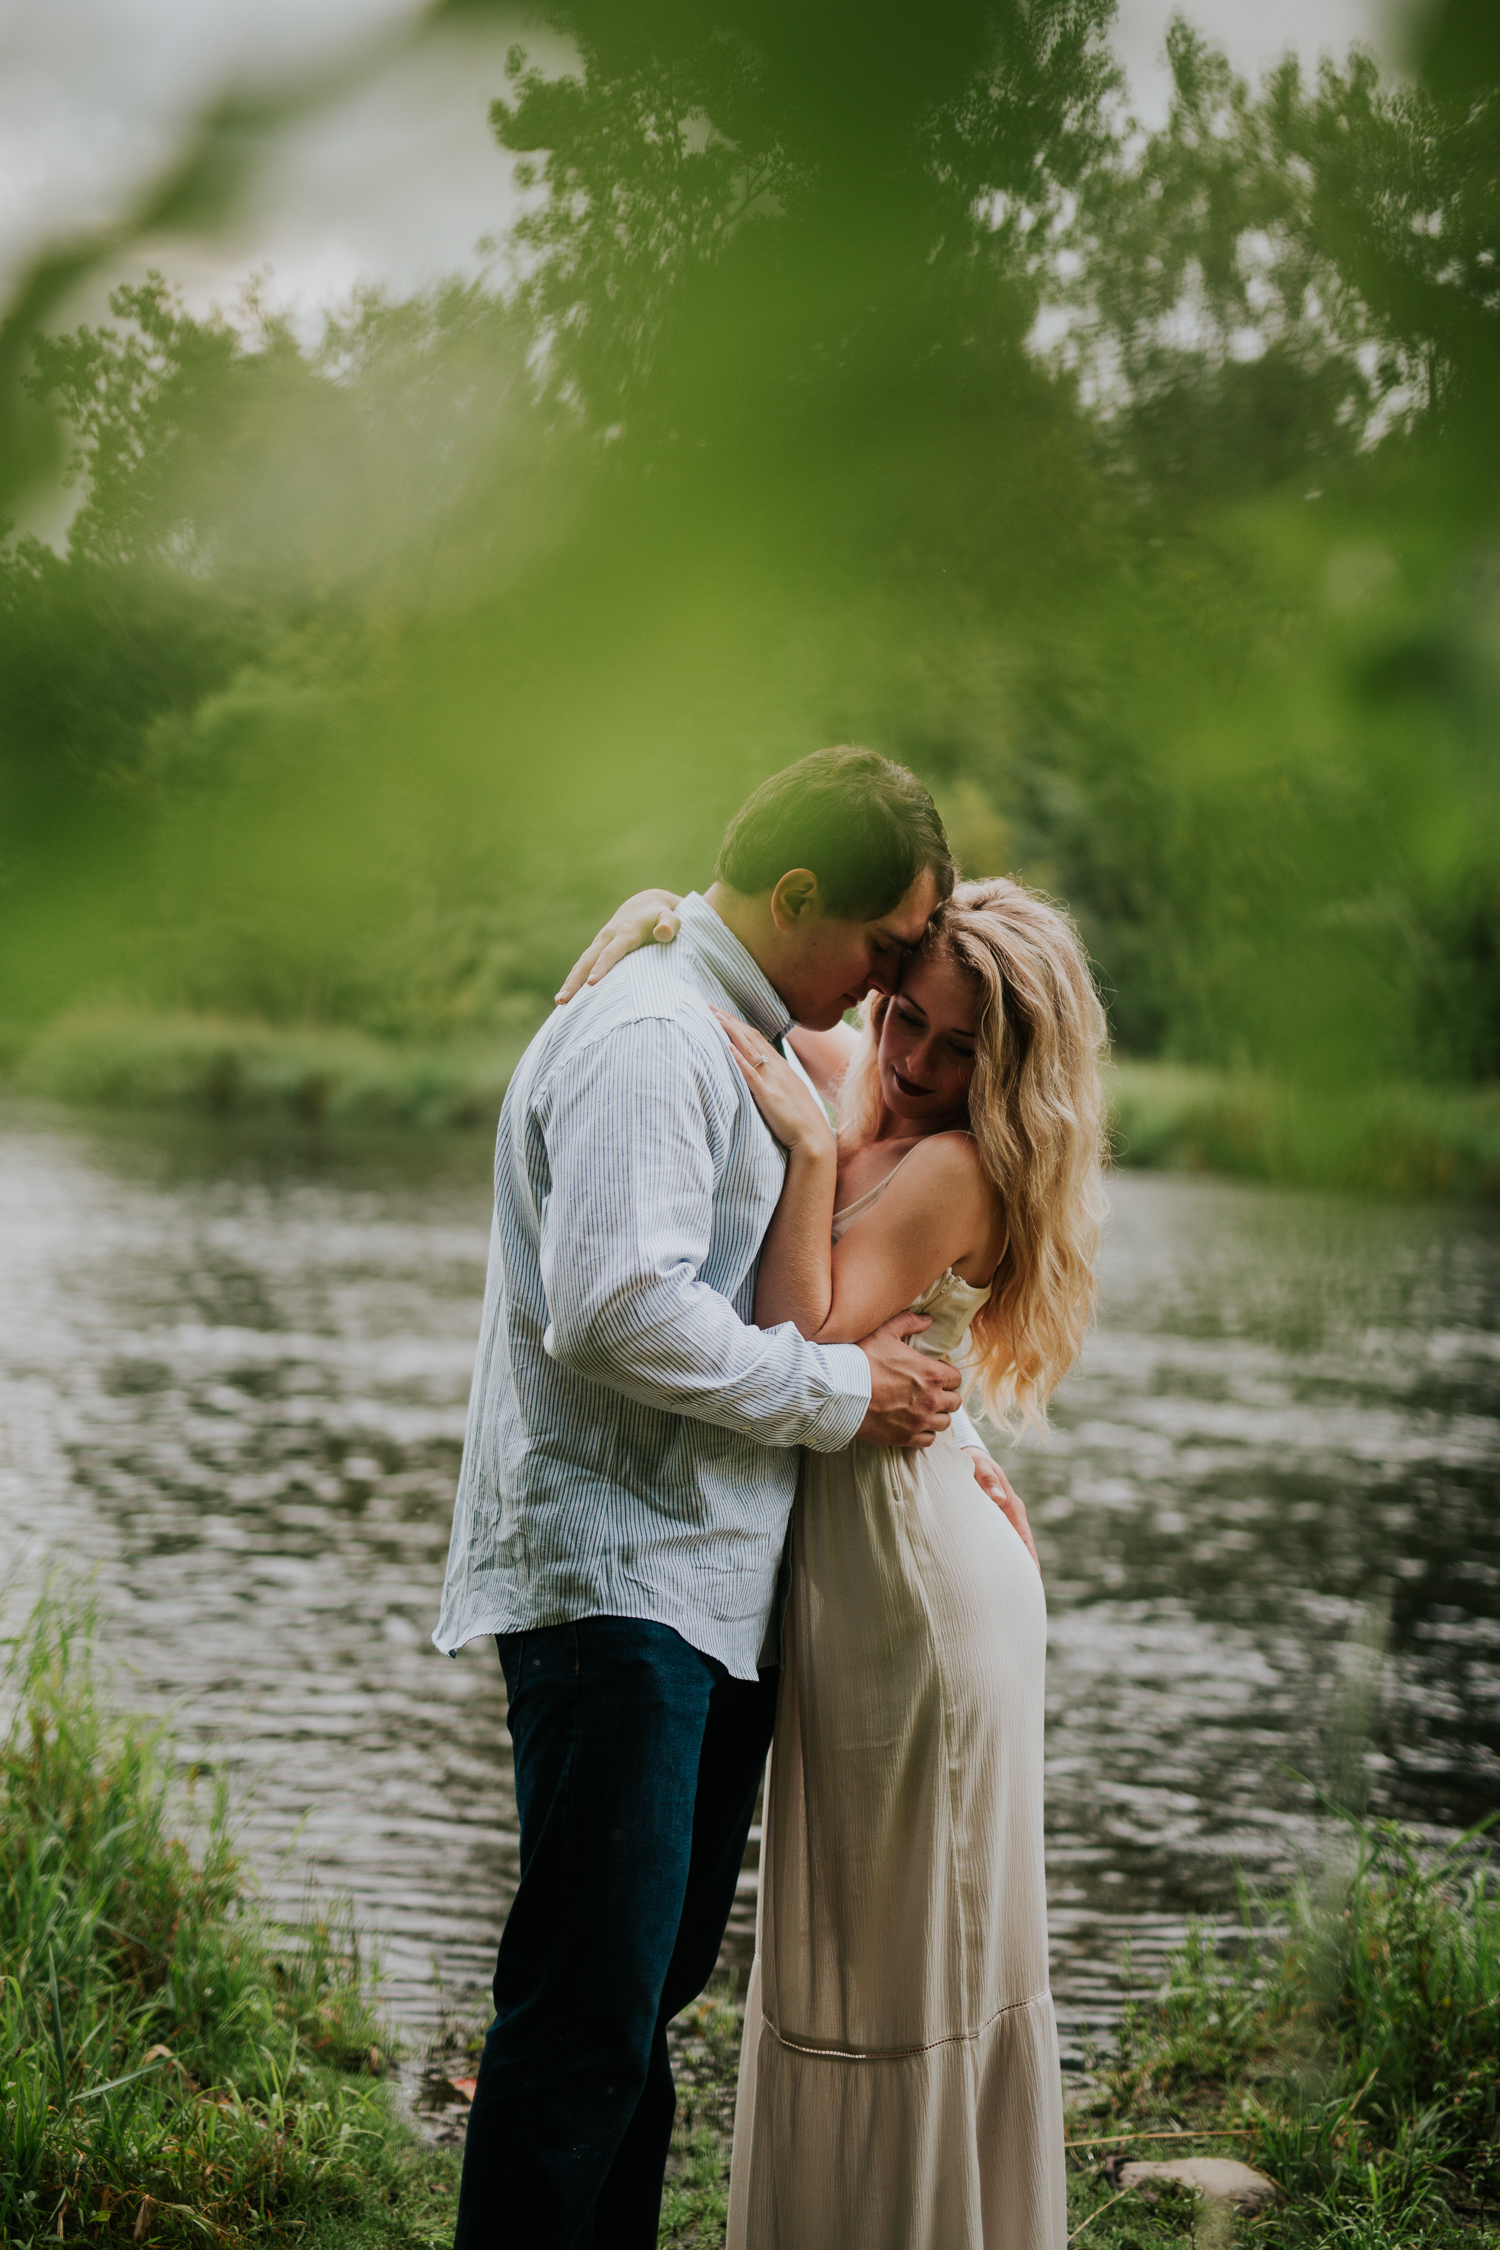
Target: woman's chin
{"x": 920, "y": 1112}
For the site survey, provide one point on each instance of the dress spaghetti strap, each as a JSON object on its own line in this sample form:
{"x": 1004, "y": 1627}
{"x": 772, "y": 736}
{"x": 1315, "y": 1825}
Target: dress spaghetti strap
{"x": 880, "y": 1185}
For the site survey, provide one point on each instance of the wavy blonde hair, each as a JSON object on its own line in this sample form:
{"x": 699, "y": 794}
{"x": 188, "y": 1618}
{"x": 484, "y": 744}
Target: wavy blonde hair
{"x": 1036, "y": 1110}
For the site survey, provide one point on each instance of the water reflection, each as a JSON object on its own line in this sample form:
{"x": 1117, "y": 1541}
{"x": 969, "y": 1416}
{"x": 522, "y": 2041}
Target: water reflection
{"x": 233, "y": 1370}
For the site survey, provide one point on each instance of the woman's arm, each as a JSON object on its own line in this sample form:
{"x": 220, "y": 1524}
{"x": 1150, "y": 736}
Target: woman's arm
{"x": 793, "y": 1281}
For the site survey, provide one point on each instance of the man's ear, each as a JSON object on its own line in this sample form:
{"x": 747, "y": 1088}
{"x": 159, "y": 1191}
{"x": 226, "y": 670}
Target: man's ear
{"x": 794, "y": 899}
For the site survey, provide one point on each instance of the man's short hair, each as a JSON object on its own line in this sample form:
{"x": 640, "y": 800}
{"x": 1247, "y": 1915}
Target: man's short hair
{"x": 863, "y": 825}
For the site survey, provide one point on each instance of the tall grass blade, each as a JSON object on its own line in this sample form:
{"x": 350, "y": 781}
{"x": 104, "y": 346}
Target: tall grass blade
{"x": 57, "y": 2030}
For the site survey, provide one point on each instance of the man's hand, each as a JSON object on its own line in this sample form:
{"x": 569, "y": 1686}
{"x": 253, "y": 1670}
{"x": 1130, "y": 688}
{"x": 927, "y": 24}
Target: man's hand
{"x": 912, "y": 1396}
{"x": 649, "y": 914}
{"x": 994, "y": 1482}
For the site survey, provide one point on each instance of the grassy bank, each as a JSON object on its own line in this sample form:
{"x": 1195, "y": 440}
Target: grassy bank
{"x": 1349, "y": 2048}
{"x": 1393, "y": 1141}
{"x": 177, "y": 2069}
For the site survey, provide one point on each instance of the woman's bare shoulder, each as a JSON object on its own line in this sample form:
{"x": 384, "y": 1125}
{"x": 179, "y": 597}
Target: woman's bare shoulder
{"x": 945, "y": 1159}
{"x": 944, "y": 1173}
{"x": 939, "y": 1210}
{"x": 951, "y": 1194}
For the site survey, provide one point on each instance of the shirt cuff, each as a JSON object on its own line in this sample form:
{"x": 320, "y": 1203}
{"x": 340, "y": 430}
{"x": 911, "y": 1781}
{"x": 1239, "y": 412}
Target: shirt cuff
{"x": 965, "y": 1432}
{"x": 848, "y": 1376}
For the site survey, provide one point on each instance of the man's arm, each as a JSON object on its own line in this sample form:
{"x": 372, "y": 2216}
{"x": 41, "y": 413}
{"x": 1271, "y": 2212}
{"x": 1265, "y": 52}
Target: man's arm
{"x": 625, "y": 1231}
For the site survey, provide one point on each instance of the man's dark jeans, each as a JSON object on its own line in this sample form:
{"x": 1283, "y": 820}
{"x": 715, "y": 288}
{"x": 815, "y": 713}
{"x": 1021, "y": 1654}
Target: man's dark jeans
{"x": 637, "y": 1764}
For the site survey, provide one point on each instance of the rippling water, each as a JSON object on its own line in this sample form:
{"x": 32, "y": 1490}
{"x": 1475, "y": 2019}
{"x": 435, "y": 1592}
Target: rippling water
{"x": 233, "y": 1371}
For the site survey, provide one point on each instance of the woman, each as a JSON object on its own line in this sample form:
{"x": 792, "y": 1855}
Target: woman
{"x": 899, "y": 2078}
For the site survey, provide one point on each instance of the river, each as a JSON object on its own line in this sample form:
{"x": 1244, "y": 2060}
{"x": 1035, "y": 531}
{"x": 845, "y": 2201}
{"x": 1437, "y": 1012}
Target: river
{"x": 233, "y": 1372}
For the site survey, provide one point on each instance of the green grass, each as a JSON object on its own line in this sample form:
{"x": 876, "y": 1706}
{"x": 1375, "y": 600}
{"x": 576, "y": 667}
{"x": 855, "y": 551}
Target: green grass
{"x": 177, "y": 2069}
{"x": 1394, "y": 1141}
{"x": 1349, "y": 2047}
{"x": 705, "y": 2043}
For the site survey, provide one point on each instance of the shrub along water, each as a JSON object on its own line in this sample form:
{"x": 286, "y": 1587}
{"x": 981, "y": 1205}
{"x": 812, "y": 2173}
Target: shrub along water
{"x": 120, "y": 1059}
{"x": 1399, "y": 1140}
{"x": 176, "y": 2067}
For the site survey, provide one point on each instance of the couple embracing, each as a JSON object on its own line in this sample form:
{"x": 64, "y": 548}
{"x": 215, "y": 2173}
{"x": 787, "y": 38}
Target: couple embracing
{"x": 704, "y": 1304}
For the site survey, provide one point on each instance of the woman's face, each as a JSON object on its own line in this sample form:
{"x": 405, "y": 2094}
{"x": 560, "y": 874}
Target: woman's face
{"x": 927, "y": 1045}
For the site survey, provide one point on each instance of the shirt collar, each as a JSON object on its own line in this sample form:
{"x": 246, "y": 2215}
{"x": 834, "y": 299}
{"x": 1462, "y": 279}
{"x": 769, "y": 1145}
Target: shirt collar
{"x": 710, "y": 941}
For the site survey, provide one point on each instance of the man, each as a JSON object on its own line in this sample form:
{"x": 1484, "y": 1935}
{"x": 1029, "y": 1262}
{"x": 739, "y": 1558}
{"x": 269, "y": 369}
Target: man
{"x": 628, "y": 1474}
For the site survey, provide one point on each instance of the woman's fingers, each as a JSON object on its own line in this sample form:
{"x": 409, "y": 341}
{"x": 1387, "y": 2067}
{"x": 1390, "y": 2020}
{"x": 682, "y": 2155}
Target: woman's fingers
{"x": 744, "y": 1041}
{"x": 996, "y": 1485}
{"x": 578, "y": 976}
{"x": 785, "y": 1101}
{"x": 754, "y": 1079}
{"x": 626, "y": 942}
{"x": 646, "y": 914}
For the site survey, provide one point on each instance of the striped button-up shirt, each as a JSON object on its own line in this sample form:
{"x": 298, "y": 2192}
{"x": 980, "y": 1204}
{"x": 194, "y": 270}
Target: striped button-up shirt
{"x": 631, "y": 1442}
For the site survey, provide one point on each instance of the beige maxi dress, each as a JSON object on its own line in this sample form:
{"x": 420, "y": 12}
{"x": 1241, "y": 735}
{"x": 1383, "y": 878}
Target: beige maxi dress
{"x": 899, "y": 2083}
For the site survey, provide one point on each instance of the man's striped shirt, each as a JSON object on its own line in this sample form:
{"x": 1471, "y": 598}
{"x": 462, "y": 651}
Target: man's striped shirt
{"x": 632, "y": 1440}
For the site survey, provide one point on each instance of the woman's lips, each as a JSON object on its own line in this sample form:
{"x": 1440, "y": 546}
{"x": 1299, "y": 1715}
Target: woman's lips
{"x": 915, "y": 1093}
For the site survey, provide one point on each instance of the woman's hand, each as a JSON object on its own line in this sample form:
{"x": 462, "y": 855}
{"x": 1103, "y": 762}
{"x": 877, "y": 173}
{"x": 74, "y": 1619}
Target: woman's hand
{"x": 994, "y": 1482}
{"x": 649, "y": 914}
{"x": 782, "y": 1095}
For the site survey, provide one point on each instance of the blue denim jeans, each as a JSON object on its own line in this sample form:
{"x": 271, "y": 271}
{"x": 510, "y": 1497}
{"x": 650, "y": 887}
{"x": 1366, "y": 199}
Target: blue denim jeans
{"x": 637, "y": 1764}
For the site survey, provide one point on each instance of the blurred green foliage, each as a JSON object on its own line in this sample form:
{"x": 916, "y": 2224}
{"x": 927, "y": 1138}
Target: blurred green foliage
{"x": 840, "y": 382}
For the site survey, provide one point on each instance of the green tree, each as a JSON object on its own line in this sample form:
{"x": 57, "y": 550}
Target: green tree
{"x": 739, "y": 198}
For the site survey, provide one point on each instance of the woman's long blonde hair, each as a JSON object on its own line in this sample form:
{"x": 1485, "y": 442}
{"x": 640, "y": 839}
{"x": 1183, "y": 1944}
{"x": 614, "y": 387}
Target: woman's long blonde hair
{"x": 1036, "y": 1109}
